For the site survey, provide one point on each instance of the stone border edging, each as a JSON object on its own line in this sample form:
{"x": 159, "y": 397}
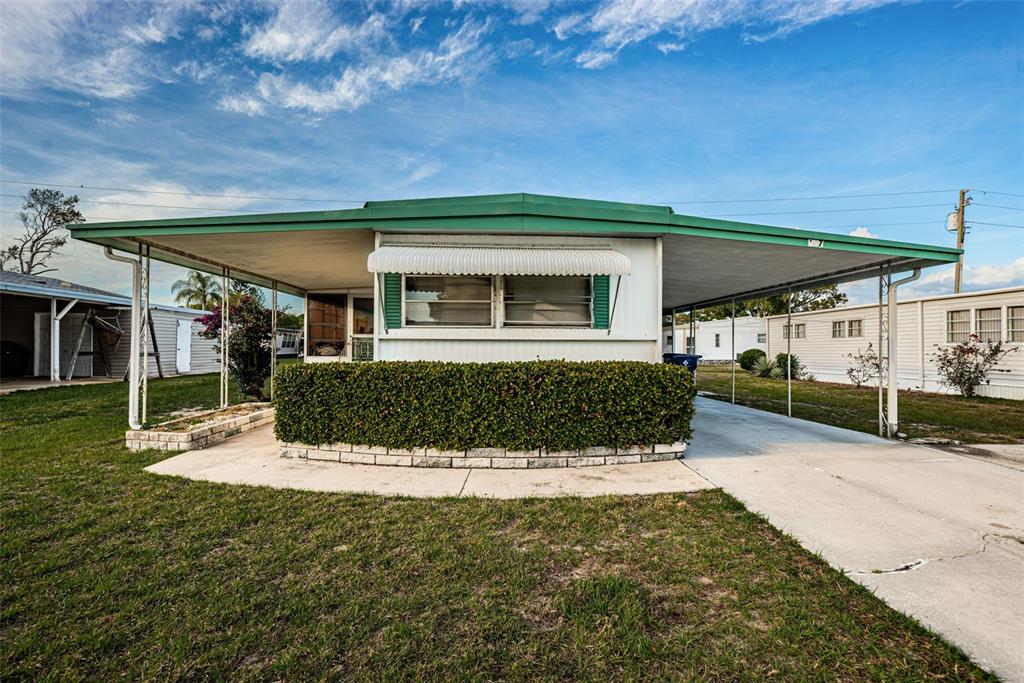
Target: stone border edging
{"x": 140, "y": 439}
{"x": 485, "y": 458}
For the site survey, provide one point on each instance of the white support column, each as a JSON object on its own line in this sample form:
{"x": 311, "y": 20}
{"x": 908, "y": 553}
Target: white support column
{"x": 55, "y": 319}
{"x": 733, "y": 335}
{"x": 789, "y": 352}
{"x": 54, "y": 342}
{"x": 133, "y": 358}
{"x": 273, "y": 338}
{"x": 893, "y": 415}
{"x": 881, "y": 351}
{"x": 143, "y": 332}
{"x": 224, "y": 293}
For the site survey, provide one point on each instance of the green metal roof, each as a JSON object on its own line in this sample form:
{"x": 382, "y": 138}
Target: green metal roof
{"x": 508, "y": 214}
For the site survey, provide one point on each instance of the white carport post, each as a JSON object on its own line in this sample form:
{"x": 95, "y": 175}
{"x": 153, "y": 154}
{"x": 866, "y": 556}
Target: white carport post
{"x": 733, "y": 350}
{"x": 133, "y": 358}
{"x": 143, "y": 332}
{"x": 224, "y": 326}
{"x": 55, "y": 319}
{"x": 893, "y": 384}
{"x": 273, "y": 337}
{"x": 881, "y": 363}
{"x": 789, "y": 352}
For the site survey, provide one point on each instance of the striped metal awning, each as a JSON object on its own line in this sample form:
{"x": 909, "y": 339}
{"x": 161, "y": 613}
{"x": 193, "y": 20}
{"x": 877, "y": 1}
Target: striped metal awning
{"x": 497, "y": 260}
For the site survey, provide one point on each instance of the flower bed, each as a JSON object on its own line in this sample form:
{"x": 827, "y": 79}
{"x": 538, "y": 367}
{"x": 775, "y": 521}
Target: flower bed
{"x": 202, "y": 429}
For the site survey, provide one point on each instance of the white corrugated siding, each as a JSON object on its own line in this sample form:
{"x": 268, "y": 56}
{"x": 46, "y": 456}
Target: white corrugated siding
{"x": 165, "y": 323}
{"x": 828, "y": 359}
{"x": 481, "y": 260}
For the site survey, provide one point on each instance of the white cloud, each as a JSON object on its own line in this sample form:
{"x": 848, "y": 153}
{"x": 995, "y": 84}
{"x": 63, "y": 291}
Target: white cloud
{"x": 618, "y": 23}
{"x": 863, "y": 232}
{"x": 415, "y": 23}
{"x": 568, "y": 25}
{"x": 458, "y": 56}
{"x": 83, "y": 47}
{"x": 667, "y": 48}
{"x": 242, "y": 104}
{"x": 302, "y": 30}
{"x": 940, "y": 281}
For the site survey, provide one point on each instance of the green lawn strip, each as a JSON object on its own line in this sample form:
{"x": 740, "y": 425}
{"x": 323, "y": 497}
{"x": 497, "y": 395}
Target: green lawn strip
{"x": 107, "y": 571}
{"x": 948, "y": 416}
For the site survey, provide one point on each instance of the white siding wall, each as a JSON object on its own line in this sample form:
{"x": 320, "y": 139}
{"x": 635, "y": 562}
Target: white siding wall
{"x": 747, "y": 330}
{"x": 828, "y": 360}
{"x": 635, "y": 332}
{"x": 165, "y": 323}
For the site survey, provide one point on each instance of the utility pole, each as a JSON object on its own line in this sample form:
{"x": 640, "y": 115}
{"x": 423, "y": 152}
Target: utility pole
{"x": 964, "y": 202}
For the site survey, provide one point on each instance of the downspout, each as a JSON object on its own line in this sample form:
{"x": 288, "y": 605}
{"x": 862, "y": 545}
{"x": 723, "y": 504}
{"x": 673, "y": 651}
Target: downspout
{"x": 133, "y": 360}
{"x": 893, "y": 377}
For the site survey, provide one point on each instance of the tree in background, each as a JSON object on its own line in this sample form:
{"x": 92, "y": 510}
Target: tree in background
{"x": 45, "y": 215}
{"x": 815, "y": 299}
{"x": 197, "y": 290}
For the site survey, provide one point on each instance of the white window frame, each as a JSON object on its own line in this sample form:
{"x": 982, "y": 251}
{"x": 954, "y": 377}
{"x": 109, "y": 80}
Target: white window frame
{"x": 998, "y": 320}
{"x": 495, "y": 280}
{"x": 581, "y": 325}
{"x": 949, "y": 322}
{"x": 840, "y": 326}
{"x": 799, "y": 328}
{"x": 860, "y": 329}
{"x": 1017, "y": 329}
{"x": 718, "y": 340}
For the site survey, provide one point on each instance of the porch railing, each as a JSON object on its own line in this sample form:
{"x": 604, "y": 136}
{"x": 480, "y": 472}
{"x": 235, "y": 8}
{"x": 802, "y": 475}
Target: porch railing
{"x": 362, "y": 348}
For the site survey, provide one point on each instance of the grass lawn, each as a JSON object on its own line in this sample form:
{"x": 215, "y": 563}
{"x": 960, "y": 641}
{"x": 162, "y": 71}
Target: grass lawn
{"x": 974, "y": 420}
{"x": 107, "y": 572}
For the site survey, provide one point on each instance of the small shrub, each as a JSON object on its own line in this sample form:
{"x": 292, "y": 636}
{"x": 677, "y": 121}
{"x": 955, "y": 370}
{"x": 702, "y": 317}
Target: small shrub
{"x": 966, "y": 365}
{"x": 795, "y": 371}
{"x": 864, "y": 367}
{"x": 763, "y": 367}
{"x": 520, "y": 406}
{"x": 749, "y": 357}
{"x": 248, "y": 341}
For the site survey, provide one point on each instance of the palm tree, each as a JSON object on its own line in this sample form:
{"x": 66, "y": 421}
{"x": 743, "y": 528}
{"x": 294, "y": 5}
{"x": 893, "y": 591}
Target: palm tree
{"x": 197, "y": 290}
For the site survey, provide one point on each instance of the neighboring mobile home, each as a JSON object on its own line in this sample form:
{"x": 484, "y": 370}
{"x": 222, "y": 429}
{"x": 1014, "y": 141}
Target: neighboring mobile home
{"x": 714, "y": 338}
{"x": 824, "y": 340}
{"x": 92, "y": 323}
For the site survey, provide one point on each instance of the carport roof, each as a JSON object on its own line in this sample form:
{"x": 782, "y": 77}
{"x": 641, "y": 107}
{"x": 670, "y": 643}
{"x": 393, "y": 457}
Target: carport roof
{"x": 705, "y": 260}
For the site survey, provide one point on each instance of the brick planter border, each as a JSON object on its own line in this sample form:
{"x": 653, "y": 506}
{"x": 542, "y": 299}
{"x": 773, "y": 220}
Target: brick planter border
{"x": 201, "y": 437}
{"x": 493, "y": 458}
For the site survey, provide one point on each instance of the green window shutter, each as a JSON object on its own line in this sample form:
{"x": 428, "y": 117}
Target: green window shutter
{"x": 601, "y": 302}
{"x": 393, "y": 300}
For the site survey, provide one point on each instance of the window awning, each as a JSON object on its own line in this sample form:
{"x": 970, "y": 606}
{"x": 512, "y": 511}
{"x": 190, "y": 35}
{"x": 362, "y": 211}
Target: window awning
{"x": 479, "y": 260}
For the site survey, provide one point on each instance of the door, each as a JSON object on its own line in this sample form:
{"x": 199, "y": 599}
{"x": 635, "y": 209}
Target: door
{"x": 183, "y": 347}
{"x": 362, "y": 328}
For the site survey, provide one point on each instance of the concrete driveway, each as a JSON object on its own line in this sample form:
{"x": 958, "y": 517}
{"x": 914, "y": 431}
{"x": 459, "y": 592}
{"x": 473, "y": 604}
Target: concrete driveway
{"x": 936, "y": 535}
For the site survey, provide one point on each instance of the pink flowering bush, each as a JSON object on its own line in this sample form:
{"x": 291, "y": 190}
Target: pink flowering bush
{"x": 966, "y": 365}
{"x": 248, "y": 341}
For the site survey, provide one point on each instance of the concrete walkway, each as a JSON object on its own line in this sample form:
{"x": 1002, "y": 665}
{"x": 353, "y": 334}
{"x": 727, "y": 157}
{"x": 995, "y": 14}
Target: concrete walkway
{"x": 936, "y": 535}
{"x": 251, "y": 458}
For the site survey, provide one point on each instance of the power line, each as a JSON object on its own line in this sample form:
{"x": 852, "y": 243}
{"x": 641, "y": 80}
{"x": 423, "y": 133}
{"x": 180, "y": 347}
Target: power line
{"x": 803, "y": 199}
{"x": 996, "y": 206}
{"x": 155, "y": 206}
{"x": 867, "y": 208}
{"x": 183, "y": 194}
{"x": 1004, "y": 194}
{"x": 1000, "y": 225}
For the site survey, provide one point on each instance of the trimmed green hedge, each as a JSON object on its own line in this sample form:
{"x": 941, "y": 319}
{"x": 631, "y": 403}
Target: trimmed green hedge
{"x": 558, "y": 405}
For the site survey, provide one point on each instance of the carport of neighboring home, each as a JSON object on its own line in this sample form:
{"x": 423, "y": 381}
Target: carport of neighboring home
{"x": 505, "y": 277}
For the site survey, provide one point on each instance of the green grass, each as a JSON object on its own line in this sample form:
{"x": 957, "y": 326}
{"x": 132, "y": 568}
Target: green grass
{"x": 108, "y": 572}
{"x": 946, "y": 416}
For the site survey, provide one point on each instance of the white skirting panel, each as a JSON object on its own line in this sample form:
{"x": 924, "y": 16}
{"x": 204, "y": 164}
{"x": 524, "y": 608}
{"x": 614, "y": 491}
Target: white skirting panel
{"x": 516, "y": 350}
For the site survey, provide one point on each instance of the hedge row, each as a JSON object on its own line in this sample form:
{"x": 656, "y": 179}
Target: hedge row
{"x": 558, "y": 405}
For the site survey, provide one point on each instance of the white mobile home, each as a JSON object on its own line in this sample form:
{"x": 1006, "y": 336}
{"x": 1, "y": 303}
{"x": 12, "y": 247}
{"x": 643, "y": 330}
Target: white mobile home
{"x": 713, "y": 340}
{"x": 503, "y": 277}
{"x": 823, "y": 340}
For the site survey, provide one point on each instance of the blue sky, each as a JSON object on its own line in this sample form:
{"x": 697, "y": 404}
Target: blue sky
{"x": 663, "y": 102}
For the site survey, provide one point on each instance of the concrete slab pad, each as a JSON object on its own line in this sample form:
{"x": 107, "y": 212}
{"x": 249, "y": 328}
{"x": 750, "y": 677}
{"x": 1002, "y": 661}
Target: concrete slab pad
{"x": 937, "y": 535}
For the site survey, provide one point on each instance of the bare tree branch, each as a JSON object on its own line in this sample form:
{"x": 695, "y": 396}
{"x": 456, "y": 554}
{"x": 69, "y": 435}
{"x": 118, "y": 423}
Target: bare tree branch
{"x": 44, "y": 216}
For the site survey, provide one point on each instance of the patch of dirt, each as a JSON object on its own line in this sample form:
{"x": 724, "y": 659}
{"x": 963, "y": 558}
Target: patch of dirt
{"x": 209, "y": 417}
